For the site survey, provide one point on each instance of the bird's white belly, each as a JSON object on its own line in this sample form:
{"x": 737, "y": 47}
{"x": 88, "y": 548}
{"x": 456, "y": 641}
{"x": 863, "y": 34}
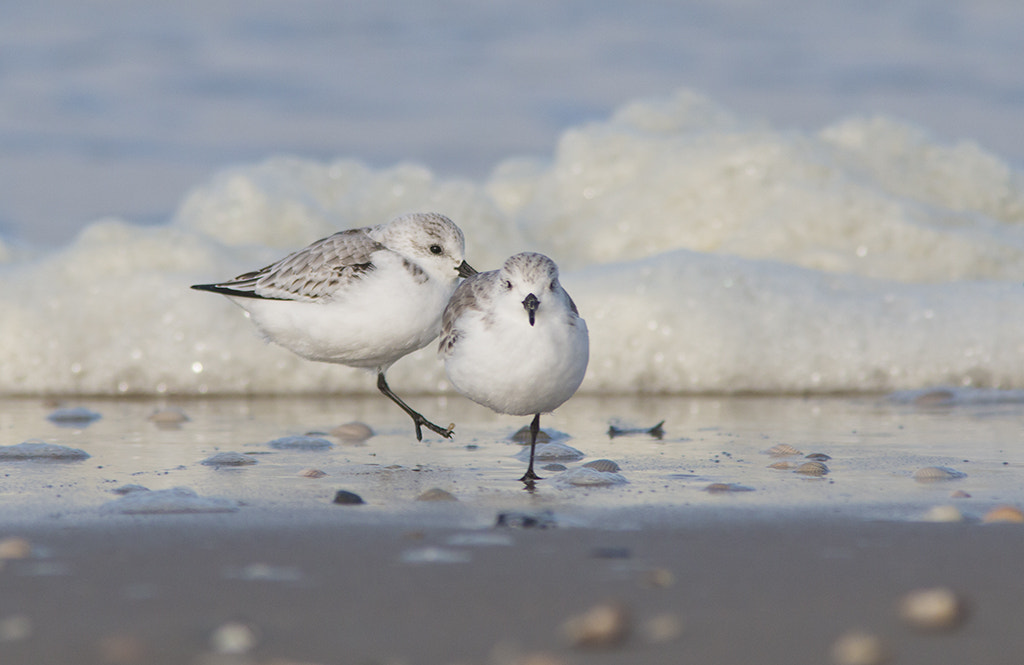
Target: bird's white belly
{"x": 370, "y": 327}
{"x": 520, "y": 371}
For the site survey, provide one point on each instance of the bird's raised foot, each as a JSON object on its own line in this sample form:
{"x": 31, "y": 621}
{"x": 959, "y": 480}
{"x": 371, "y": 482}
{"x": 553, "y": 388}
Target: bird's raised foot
{"x": 446, "y": 432}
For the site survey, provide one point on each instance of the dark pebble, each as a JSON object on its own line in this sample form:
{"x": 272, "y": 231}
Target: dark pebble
{"x": 542, "y": 520}
{"x": 346, "y": 498}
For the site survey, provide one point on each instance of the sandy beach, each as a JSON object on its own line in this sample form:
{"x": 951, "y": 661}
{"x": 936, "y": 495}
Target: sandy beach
{"x": 258, "y": 564}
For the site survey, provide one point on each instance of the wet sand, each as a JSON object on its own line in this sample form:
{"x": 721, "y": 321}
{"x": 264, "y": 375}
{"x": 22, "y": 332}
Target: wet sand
{"x": 773, "y": 574}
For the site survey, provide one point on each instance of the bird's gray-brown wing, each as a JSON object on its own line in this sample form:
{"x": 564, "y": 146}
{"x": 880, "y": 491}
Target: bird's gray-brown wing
{"x": 309, "y": 274}
{"x": 467, "y": 296}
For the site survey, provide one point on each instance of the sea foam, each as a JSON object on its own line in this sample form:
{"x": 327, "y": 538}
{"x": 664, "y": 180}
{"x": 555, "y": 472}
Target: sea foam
{"x": 708, "y": 252}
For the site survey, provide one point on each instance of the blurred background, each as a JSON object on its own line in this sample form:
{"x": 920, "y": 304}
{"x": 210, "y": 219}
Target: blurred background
{"x": 115, "y": 107}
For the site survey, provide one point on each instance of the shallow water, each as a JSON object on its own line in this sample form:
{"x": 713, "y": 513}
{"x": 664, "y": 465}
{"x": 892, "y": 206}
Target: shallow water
{"x": 875, "y": 444}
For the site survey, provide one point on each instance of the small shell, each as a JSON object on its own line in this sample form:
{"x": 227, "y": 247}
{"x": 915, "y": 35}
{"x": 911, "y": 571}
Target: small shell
{"x": 603, "y": 465}
{"x": 782, "y": 450}
{"x": 300, "y": 443}
{"x": 812, "y": 469}
{"x": 522, "y": 435}
{"x": 932, "y": 474}
{"x": 785, "y": 466}
{"x": 436, "y": 494}
{"x": 943, "y": 514}
{"x": 15, "y": 548}
{"x": 554, "y": 466}
{"x": 601, "y": 627}
{"x": 937, "y": 608}
{"x": 859, "y": 648}
{"x": 959, "y": 494}
{"x": 718, "y": 488}
{"x": 1004, "y": 514}
{"x": 312, "y": 473}
{"x": 229, "y": 459}
{"x": 552, "y": 452}
{"x": 233, "y": 638}
{"x": 168, "y": 417}
{"x": 820, "y": 457}
{"x": 589, "y": 477}
{"x": 72, "y": 416}
{"x": 37, "y": 450}
{"x": 352, "y": 432}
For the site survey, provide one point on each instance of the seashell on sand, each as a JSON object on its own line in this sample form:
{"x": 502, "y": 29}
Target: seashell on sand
{"x": 959, "y": 494}
{"x": 721, "y": 488}
{"x": 436, "y": 494}
{"x": 554, "y": 466}
{"x": 811, "y": 469}
{"x": 72, "y": 416}
{"x": 233, "y": 638}
{"x": 784, "y": 466}
{"x": 601, "y": 627}
{"x": 859, "y": 648}
{"x": 603, "y": 465}
{"x": 819, "y": 457}
{"x": 312, "y": 473}
{"x": 589, "y": 477}
{"x": 168, "y": 417}
{"x": 1009, "y": 514}
{"x": 353, "y": 432}
{"x": 934, "y": 609}
{"x": 933, "y": 474}
{"x": 522, "y": 435}
{"x": 943, "y": 514}
{"x": 782, "y": 450}
{"x": 300, "y": 443}
{"x": 37, "y": 450}
{"x": 229, "y": 459}
{"x": 552, "y": 452}
{"x": 15, "y": 547}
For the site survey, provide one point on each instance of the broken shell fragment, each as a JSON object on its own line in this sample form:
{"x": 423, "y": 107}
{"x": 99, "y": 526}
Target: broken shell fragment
{"x": 933, "y": 609}
{"x": 312, "y": 473}
{"x": 943, "y": 514}
{"x": 784, "y": 466}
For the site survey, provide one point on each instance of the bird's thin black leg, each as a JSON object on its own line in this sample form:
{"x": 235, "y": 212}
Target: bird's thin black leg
{"x": 417, "y": 419}
{"x": 530, "y": 474}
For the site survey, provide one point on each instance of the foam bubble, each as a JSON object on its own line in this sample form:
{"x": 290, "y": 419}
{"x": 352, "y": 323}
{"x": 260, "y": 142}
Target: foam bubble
{"x": 707, "y": 251}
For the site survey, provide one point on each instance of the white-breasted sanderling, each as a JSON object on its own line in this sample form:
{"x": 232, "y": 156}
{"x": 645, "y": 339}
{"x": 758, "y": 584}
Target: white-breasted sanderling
{"x": 513, "y": 340}
{"x": 363, "y": 297}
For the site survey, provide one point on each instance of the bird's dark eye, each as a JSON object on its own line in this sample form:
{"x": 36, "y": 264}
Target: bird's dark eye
{"x": 553, "y": 284}
{"x": 508, "y": 285}
{"x": 436, "y": 249}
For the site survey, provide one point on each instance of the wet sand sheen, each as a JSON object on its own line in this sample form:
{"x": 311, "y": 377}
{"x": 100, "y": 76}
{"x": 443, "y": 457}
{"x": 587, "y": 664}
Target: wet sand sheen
{"x": 708, "y": 550}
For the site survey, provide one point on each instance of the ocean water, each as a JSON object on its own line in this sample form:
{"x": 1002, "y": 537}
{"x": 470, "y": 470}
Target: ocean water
{"x": 740, "y": 202}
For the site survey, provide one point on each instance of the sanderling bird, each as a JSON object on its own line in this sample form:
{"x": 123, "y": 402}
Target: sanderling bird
{"x": 513, "y": 340}
{"x": 362, "y": 297}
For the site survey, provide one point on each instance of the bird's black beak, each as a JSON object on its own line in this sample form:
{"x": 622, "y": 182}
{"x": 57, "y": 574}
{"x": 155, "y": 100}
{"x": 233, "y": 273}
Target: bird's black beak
{"x": 466, "y": 270}
{"x": 531, "y": 304}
